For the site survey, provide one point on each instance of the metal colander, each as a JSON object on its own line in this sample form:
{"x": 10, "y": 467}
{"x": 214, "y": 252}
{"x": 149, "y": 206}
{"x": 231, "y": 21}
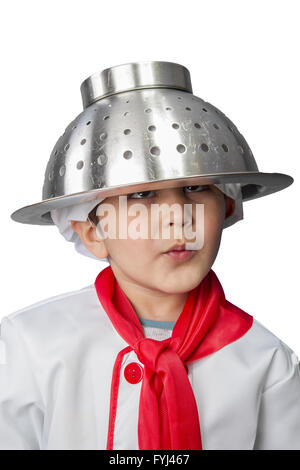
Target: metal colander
{"x": 142, "y": 128}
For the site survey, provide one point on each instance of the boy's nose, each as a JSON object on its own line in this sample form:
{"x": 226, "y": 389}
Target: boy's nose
{"x": 171, "y": 196}
{"x": 176, "y": 196}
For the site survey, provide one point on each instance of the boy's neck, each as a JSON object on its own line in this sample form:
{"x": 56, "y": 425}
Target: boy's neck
{"x": 160, "y": 308}
{"x": 150, "y": 305}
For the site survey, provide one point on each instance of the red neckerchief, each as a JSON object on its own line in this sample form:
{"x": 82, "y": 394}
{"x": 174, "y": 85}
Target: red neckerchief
{"x": 168, "y": 414}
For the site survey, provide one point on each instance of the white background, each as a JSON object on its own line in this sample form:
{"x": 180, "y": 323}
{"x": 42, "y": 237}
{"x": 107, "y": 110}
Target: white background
{"x": 243, "y": 57}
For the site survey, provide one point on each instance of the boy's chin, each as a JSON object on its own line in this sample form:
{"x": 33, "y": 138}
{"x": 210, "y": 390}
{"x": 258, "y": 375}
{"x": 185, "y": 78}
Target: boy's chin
{"x": 180, "y": 284}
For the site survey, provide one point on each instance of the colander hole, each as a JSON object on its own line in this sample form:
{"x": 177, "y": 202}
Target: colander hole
{"x": 74, "y": 127}
{"x": 204, "y": 147}
{"x": 230, "y": 128}
{"x": 197, "y": 125}
{"x": 102, "y": 159}
{"x": 188, "y": 109}
{"x": 88, "y": 123}
{"x": 241, "y": 149}
{"x": 204, "y": 109}
{"x": 50, "y": 176}
{"x": 83, "y": 141}
{"x": 181, "y": 148}
{"x": 179, "y": 98}
{"x": 127, "y": 154}
{"x": 155, "y": 151}
{"x": 56, "y": 152}
{"x": 148, "y": 110}
{"x": 127, "y": 101}
{"x": 103, "y": 136}
{"x": 175, "y": 125}
{"x": 127, "y": 112}
{"x": 109, "y": 105}
{"x": 62, "y": 170}
{"x": 224, "y": 147}
{"x": 151, "y": 128}
{"x": 67, "y": 147}
{"x": 168, "y": 109}
{"x": 127, "y": 131}
{"x": 105, "y": 118}
{"x": 79, "y": 165}
{"x": 216, "y": 126}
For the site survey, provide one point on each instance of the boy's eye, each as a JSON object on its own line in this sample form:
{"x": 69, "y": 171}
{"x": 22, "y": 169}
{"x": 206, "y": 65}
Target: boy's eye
{"x": 189, "y": 189}
{"x": 139, "y": 195}
{"x": 192, "y": 189}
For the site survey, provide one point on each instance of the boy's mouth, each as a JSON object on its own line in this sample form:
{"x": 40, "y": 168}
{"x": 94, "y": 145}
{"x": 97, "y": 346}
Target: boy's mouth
{"x": 179, "y": 253}
{"x": 176, "y": 248}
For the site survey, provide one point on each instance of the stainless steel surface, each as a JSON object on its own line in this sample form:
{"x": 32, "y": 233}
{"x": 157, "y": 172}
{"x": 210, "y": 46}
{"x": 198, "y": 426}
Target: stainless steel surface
{"x": 145, "y": 138}
{"x": 135, "y": 76}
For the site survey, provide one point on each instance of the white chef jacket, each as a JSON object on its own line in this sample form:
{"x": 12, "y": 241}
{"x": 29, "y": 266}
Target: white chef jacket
{"x": 56, "y": 363}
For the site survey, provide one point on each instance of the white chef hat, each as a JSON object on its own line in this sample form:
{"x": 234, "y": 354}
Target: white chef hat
{"x": 62, "y": 217}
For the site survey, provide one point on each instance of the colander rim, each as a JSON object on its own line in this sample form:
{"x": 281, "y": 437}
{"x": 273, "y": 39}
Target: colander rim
{"x": 258, "y": 184}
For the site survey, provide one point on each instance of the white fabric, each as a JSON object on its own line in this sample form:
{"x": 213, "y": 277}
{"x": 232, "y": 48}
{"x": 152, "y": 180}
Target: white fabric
{"x": 62, "y": 217}
{"x": 55, "y": 383}
{"x": 156, "y": 333}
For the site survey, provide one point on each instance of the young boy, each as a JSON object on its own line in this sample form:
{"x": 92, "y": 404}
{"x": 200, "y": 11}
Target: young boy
{"x": 151, "y": 355}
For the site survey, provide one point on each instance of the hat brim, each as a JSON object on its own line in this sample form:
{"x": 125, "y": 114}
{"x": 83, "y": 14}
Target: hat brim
{"x": 253, "y": 186}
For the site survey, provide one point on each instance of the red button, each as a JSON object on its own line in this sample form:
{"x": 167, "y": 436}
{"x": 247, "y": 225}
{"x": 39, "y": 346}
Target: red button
{"x": 133, "y": 373}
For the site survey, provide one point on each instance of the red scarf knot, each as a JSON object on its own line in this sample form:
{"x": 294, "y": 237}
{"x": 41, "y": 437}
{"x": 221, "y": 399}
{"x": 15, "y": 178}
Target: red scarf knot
{"x": 160, "y": 360}
{"x": 151, "y": 352}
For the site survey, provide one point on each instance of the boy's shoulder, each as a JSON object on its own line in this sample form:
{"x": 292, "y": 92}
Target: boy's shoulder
{"x": 47, "y": 300}
{"x": 60, "y": 327}
{"x": 54, "y": 301}
{"x": 260, "y": 338}
{"x": 261, "y": 335}
{"x": 268, "y": 351}
{"x": 74, "y": 309}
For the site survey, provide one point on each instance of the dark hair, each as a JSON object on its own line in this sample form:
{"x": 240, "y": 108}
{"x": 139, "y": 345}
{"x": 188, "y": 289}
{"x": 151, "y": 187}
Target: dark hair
{"x": 93, "y": 215}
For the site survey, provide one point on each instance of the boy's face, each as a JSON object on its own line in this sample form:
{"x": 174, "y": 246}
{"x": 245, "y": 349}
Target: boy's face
{"x": 143, "y": 261}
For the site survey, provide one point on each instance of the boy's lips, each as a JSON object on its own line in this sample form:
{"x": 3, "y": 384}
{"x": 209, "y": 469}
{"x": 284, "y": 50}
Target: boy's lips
{"x": 176, "y": 247}
{"x": 179, "y": 253}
